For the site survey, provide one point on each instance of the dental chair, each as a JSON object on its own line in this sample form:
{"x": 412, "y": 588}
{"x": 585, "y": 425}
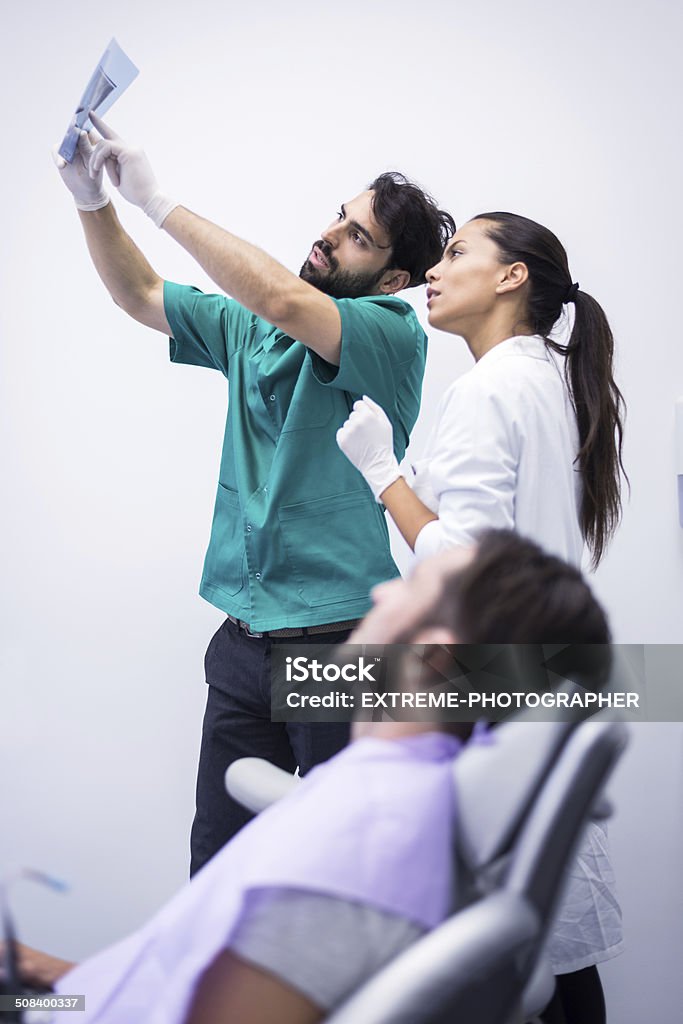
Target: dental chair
{"x": 523, "y": 802}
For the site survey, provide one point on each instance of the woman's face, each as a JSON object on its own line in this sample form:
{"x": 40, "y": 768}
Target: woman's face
{"x": 462, "y": 288}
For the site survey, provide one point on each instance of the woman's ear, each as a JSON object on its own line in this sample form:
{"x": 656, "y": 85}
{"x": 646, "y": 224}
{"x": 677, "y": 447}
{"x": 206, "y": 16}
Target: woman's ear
{"x": 516, "y": 274}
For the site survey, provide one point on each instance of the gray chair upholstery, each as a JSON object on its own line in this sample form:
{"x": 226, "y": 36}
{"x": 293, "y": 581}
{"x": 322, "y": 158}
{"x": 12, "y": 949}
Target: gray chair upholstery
{"x": 474, "y": 968}
{"x": 522, "y": 801}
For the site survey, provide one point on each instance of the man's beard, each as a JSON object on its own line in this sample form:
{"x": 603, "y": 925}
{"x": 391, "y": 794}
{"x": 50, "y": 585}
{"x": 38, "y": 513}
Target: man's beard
{"x": 340, "y": 284}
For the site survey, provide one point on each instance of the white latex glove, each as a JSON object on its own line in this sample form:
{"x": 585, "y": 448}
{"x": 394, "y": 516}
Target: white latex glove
{"x": 131, "y": 172}
{"x": 367, "y": 441}
{"x": 88, "y": 192}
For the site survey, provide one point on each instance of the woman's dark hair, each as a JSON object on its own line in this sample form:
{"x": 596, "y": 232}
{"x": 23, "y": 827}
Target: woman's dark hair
{"x": 417, "y": 228}
{"x": 598, "y": 402}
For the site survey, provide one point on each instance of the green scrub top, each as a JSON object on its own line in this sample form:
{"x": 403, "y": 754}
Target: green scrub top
{"x": 297, "y": 537}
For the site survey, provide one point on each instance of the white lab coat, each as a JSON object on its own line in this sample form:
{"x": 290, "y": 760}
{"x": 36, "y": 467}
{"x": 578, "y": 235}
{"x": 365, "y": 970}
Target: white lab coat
{"x": 587, "y": 928}
{"x": 501, "y": 454}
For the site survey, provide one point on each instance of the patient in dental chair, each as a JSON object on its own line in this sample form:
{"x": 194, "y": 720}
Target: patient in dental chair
{"x": 325, "y": 887}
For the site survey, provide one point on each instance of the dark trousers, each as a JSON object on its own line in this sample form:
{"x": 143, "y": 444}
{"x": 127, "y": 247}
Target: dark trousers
{"x": 578, "y": 999}
{"x": 237, "y": 724}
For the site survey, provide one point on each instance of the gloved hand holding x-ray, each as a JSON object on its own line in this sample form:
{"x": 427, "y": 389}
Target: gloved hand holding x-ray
{"x": 128, "y": 169}
{"x": 88, "y": 190}
{"x": 112, "y": 76}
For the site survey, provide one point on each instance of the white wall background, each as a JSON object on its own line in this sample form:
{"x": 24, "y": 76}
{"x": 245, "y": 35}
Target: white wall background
{"x": 265, "y": 117}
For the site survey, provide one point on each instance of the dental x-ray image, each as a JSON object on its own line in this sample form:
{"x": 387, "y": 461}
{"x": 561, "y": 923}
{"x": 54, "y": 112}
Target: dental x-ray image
{"x": 112, "y": 76}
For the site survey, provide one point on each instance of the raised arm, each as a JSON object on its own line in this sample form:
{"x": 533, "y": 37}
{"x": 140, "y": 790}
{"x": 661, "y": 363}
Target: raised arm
{"x": 126, "y": 274}
{"x": 260, "y": 283}
{"x": 130, "y": 280}
{"x": 244, "y": 271}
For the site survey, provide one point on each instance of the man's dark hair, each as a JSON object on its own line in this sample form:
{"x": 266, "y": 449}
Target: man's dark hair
{"x": 516, "y": 594}
{"x": 513, "y": 592}
{"x": 418, "y": 229}
{"x": 521, "y": 617}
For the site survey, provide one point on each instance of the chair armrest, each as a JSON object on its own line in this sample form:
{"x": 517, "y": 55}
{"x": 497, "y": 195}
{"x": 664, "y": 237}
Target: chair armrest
{"x": 256, "y": 783}
{"x": 468, "y": 970}
{"x": 538, "y": 991}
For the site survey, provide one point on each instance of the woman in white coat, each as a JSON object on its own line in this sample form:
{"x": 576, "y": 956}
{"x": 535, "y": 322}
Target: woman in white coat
{"x": 529, "y": 439}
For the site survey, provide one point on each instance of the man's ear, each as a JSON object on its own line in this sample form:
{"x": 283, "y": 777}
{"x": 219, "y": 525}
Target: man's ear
{"x": 516, "y": 274}
{"x": 393, "y": 281}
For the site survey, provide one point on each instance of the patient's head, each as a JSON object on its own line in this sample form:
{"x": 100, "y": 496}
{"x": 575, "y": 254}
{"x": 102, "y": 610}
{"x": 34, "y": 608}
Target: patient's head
{"x": 513, "y": 592}
{"x": 503, "y": 590}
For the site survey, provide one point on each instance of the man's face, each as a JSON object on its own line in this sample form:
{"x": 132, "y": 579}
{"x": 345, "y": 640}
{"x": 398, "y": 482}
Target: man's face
{"x": 352, "y": 255}
{"x": 405, "y": 611}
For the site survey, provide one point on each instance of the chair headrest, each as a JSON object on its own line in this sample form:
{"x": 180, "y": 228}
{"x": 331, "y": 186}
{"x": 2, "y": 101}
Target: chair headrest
{"x": 496, "y": 783}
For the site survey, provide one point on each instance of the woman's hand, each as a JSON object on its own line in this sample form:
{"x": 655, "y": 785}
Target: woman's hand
{"x": 367, "y": 440}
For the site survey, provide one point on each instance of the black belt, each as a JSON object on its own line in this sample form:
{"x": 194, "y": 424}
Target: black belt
{"x": 326, "y": 627}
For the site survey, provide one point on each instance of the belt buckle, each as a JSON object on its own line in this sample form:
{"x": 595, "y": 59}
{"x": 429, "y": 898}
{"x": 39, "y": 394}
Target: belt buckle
{"x": 248, "y": 632}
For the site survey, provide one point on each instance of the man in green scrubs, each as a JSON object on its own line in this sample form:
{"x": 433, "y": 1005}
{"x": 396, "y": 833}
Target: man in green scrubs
{"x": 297, "y": 539}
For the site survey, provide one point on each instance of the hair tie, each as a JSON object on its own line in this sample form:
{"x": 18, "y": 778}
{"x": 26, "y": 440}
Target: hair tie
{"x": 571, "y": 292}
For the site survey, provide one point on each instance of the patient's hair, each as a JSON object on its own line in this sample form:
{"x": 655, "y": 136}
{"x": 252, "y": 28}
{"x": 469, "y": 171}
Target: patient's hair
{"x": 513, "y": 592}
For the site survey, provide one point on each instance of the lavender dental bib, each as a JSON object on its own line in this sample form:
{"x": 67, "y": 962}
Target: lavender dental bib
{"x": 373, "y": 825}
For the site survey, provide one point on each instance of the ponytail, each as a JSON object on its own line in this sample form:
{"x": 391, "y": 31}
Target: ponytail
{"x": 598, "y": 402}
{"x": 599, "y": 407}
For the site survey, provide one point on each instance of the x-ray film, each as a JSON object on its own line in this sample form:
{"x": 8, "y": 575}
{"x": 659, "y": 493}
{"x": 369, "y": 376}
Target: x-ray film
{"x": 112, "y": 76}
